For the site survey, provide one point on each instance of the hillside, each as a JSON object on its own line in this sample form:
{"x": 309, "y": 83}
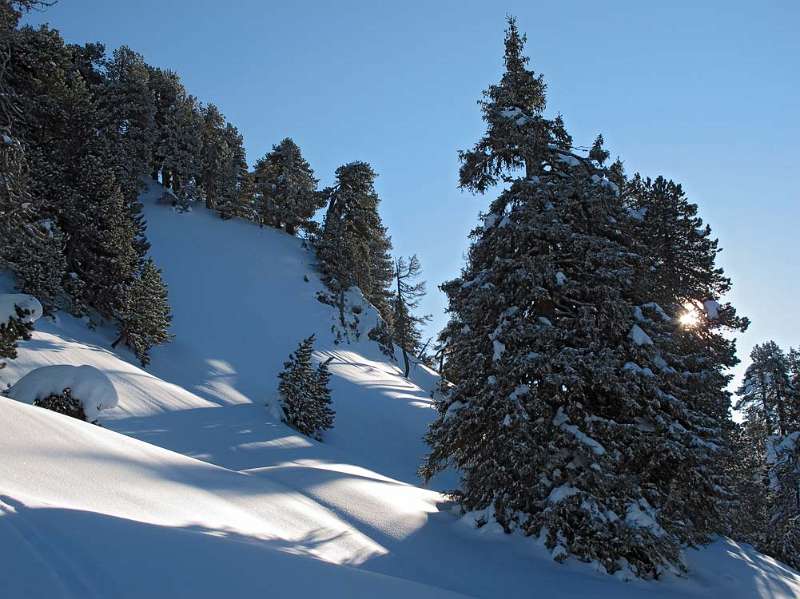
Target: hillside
{"x": 192, "y": 487}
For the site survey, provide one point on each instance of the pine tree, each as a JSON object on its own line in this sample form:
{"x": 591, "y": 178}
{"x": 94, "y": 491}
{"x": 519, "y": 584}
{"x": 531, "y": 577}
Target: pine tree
{"x": 679, "y": 273}
{"x": 145, "y": 316}
{"x": 286, "y": 188}
{"x": 353, "y": 249}
{"x": 765, "y": 395}
{"x": 16, "y": 328}
{"x": 408, "y": 293}
{"x": 769, "y": 472}
{"x": 783, "y": 460}
{"x": 237, "y": 189}
{"x": 127, "y": 115}
{"x": 558, "y": 356}
{"x": 304, "y": 392}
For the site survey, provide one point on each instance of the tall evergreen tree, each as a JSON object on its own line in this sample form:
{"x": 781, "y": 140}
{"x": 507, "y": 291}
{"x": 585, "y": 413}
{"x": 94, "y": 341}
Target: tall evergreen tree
{"x": 567, "y": 418}
{"x": 765, "y": 396}
{"x": 679, "y": 273}
{"x": 304, "y": 392}
{"x": 286, "y": 188}
{"x": 145, "y": 315}
{"x": 353, "y": 248}
{"x": 126, "y": 115}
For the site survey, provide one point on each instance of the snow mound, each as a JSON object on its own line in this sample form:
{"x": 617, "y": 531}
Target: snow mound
{"x": 10, "y": 301}
{"x": 88, "y": 384}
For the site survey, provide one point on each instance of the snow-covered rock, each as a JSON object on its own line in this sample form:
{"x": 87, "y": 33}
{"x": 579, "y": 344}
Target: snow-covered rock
{"x": 10, "y": 301}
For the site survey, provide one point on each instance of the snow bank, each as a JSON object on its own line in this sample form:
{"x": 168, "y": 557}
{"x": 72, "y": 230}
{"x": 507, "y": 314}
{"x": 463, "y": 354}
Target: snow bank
{"x": 88, "y": 384}
{"x": 9, "y": 302}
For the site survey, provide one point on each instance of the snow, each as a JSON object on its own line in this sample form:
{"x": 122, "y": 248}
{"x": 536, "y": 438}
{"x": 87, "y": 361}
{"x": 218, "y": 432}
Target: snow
{"x": 9, "y": 302}
{"x": 498, "y": 349}
{"x": 568, "y": 159}
{"x": 642, "y": 515}
{"x": 635, "y": 368}
{"x": 561, "y": 420}
{"x": 88, "y": 384}
{"x": 561, "y": 492}
{"x": 638, "y": 336}
{"x": 192, "y": 488}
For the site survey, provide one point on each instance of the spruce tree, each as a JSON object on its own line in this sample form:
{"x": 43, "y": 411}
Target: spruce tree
{"x": 304, "y": 392}
{"x": 286, "y": 188}
{"x": 145, "y": 315}
{"x": 353, "y": 248}
{"x": 567, "y": 419}
{"x": 127, "y": 115}
{"x": 766, "y": 397}
{"x": 679, "y": 273}
{"x": 783, "y": 478}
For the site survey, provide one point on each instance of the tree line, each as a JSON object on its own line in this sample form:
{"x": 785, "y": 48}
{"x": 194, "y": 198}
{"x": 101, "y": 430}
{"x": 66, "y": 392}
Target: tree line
{"x": 81, "y": 132}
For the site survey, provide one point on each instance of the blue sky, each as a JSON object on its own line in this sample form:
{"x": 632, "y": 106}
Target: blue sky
{"x": 702, "y": 92}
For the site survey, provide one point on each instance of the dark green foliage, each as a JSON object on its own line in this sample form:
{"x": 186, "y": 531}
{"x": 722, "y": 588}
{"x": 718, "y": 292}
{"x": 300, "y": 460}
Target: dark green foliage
{"x": 767, "y": 472}
{"x": 304, "y": 393}
{"x": 63, "y": 403}
{"x": 145, "y": 315}
{"x": 286, "y": 188}
{"x": 353, "y": 248}
{"x": 12, "y": 331}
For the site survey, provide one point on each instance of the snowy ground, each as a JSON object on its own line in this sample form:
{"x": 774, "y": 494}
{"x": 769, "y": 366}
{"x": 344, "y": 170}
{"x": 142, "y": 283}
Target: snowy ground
{"x": 206, "y": 494}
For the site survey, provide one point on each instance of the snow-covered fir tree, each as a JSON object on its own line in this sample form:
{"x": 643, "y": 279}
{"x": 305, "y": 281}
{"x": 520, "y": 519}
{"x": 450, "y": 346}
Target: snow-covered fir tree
{"x": 353, "y": 248}
{"x": 286, "y": 188}
{"x": 407, "y": 294}
{"x": 679, "y": 273}
{"x": 304, "y": 393}
{"x": 127, "y": 114}
{"x": 568, "y": 419}
{"x": 769, "y": 471}
{"x": 145, "y": 314}
{"x": 766, "y": 394}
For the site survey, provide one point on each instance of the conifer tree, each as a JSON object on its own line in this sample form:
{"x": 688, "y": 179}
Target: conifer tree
{"x": 16, "y": 328}
{"x": 558, "y": 356}
{"x": 286, "y": 188}
{"x": 304, "y": 392}
{"x": 145, "y": 316}
{"x": 679, "y": 273}
{"x": 765, "y": 396}
{"x": 353, "y": 248}
{"x": 215, "y": 156}
{"x": 127, "y": 115}
{"x": 783, "y": 460}
{"x": 408, "y": 293}
{"x": 768, "y": 474}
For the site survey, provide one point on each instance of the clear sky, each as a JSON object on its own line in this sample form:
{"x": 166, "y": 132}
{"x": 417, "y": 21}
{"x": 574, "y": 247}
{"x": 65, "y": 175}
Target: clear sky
{"x": 707, "y": 93}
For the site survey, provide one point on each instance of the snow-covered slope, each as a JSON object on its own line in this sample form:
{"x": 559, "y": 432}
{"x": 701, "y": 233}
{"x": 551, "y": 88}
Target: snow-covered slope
{"x": 208, "y": 494}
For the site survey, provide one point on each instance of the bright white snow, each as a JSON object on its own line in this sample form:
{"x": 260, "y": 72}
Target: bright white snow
{"x": 10, "y": 301}
{"x": 88, "y": 384}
